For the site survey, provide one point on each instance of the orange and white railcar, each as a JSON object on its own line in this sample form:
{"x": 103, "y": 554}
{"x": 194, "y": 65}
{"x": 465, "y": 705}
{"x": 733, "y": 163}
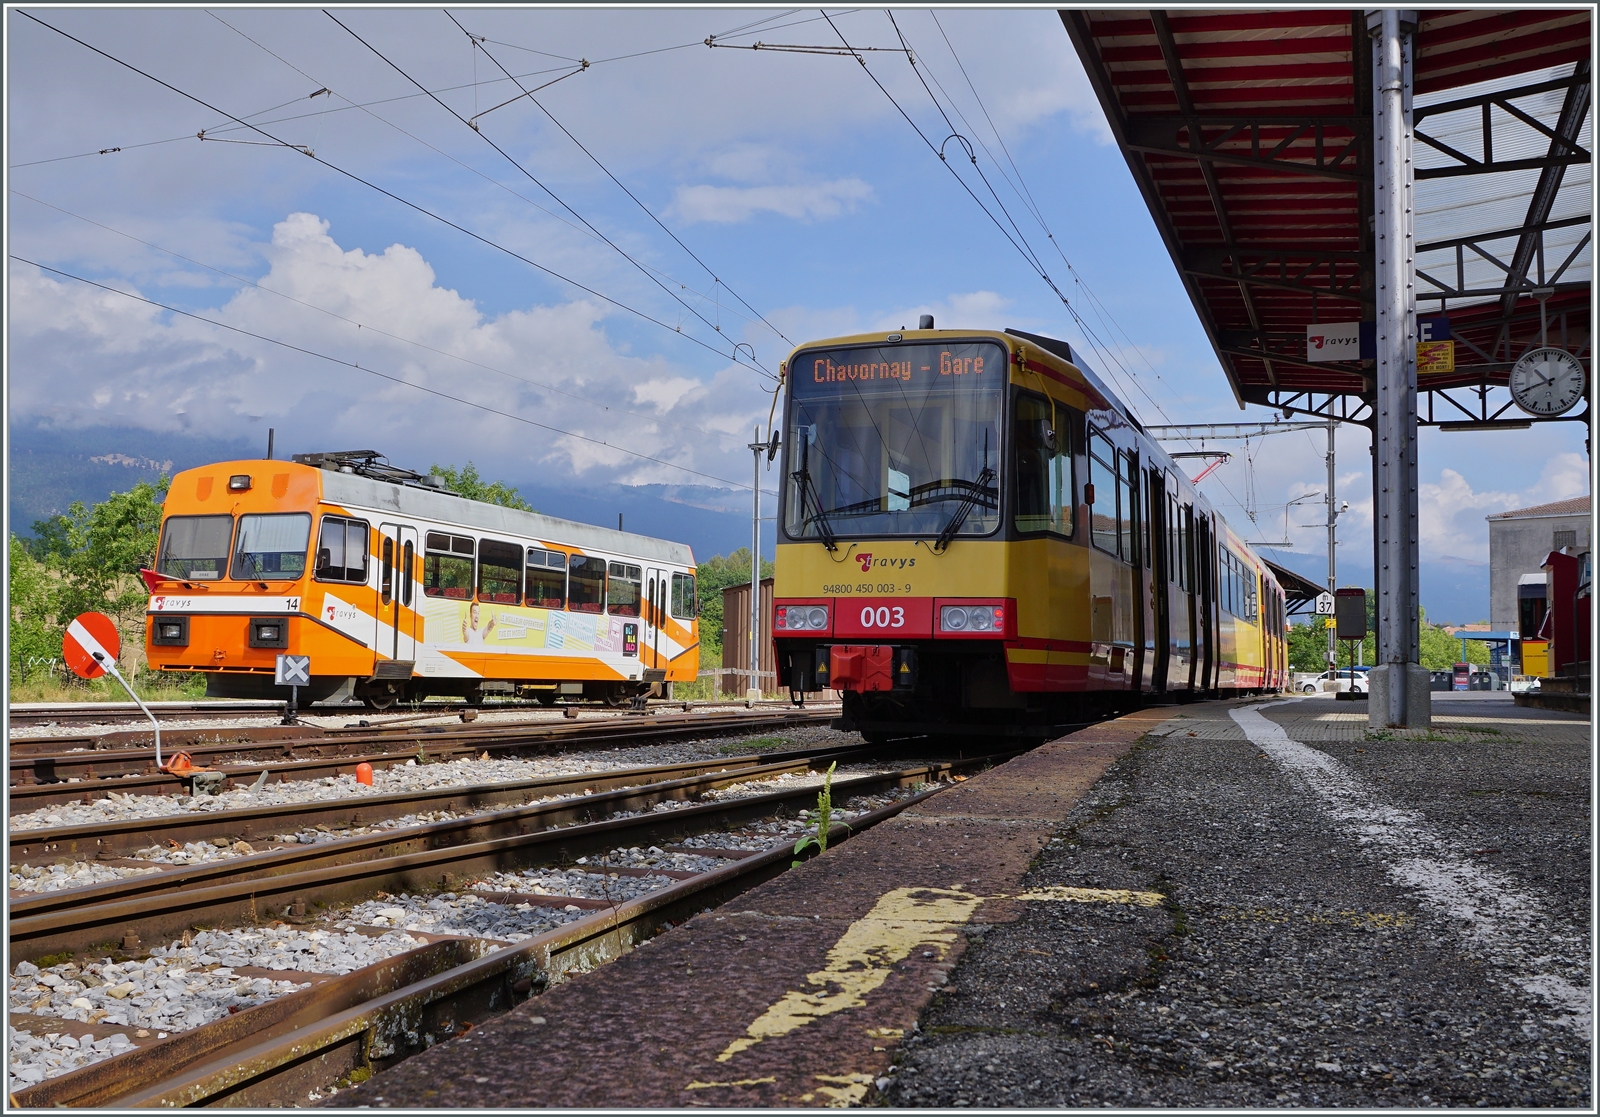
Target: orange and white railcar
{"x": 399, "y": 589}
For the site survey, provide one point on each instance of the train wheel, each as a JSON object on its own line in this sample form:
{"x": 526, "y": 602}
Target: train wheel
{"x": 380, "y": 701}
{"x": 546, "y": 697}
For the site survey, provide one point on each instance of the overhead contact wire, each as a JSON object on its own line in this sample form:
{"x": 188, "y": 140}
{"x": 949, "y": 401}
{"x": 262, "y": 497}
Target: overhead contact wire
{"x": 533, "y": 179}
{"x": 382, "y": 375}
{"x": 395, "y": 197}
{"x": 648, "y": 212}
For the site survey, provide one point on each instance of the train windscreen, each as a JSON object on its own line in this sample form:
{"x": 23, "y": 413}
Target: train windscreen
{"x": 895, "y": 440}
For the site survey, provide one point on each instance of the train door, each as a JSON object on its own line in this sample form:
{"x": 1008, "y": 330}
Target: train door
{"x": 1140, "y": 583}
{"x": 395, "y": 635}
{"x": 1206, "y": 560}
{"x": 653, "y": 616}
{"x": 1160, "y": 575}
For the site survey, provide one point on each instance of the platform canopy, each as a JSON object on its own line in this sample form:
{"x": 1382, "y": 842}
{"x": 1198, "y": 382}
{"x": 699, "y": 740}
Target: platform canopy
{"x": 1250, "y": 135}
{"x": 1299, "y": 593}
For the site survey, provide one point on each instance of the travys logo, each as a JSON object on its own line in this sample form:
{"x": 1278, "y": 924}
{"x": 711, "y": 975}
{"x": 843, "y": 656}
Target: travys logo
{"x": 868, "y": 562}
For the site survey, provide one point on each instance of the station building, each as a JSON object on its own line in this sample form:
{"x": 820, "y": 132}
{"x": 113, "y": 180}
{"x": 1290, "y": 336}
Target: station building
{"x": 1519, "y": 542}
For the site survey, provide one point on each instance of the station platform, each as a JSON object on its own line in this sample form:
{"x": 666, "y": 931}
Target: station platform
{"x": 1228, "y": 903}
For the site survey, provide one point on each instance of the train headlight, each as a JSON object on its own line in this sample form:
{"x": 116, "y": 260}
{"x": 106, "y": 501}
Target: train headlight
{"x": 989, "y": 620}
{"x": 800, "y": 618}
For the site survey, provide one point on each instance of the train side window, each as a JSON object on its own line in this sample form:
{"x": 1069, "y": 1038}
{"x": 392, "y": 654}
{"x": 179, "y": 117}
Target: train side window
{"x": 1103, "y": 488}
{"x": 1043, "y": 466}
{"x": 622, "y": 594}
{"x": 683, "y": 603}
{"x": 386, "y": 575}
{"x": 196, "y": 547}
{"x": 499, "y": 572}
{"x": 447, "y": 565}
{"x": 547, "y": 579}
{"x": 586, "y": 588}
{"x": 408, "y": 557}
{"x": 342, "y": 550}
{"x": 1125, "y": 507}
{"x": 1186, "y": 559}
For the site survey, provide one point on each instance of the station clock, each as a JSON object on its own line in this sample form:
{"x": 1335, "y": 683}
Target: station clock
{"x": 1547, "y": 382}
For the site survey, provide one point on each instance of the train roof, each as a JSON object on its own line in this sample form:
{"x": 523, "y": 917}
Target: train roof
{"x": 351, "y": 490}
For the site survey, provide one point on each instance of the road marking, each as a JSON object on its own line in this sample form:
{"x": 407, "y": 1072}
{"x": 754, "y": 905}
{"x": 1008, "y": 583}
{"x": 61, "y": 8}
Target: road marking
{"x": 734, "y": 1082}
{"x": 1094, "y": 896}
{"x": 901, "y": 921}
{"x": 1507, "y": 924}
{"x": 862, "y": 959}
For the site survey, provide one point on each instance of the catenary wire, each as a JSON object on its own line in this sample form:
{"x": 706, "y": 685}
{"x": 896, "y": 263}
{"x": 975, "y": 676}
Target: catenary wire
{"x": 395, "y": 197}
{"x": 382, "y": 375}
{"x": 708, "y": 269}
{"x": 533, "y": 179}
{"x": 370, "y": 328}
{"x": 366, "y": 107}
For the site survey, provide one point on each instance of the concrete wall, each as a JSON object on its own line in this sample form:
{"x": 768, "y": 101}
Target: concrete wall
{"x": 1518, "y": 547}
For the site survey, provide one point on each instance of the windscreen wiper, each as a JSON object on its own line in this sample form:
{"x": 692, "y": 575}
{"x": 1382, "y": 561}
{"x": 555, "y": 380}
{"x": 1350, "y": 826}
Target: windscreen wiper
{"x": 959, "y": 516}
{"x": 802, "y": 477}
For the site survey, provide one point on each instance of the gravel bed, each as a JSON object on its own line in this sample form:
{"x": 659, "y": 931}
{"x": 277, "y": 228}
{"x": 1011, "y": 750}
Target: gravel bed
{"x": 179, "y": 986}
{"x": 412, "y": 776}
{"x": 584, "y": 883}
{"x": 1287, "y": 968}
{"x": 32, "y": 1059}
{"x": 450, "y": 913}
{"x": 71, "y": 874}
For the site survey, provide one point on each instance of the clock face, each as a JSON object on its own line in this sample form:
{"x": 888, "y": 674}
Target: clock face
{"x": 1547, "y": 382}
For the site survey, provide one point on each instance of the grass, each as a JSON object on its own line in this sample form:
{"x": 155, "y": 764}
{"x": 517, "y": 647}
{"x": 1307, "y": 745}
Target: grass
{"x": 151, "y": 687}
{"x": 739, "y": 748}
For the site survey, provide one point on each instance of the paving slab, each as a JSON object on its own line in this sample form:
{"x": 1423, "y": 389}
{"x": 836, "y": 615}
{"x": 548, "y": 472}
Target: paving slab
{"x": 1348, "y": 918}
{"x": 800, "y": 992}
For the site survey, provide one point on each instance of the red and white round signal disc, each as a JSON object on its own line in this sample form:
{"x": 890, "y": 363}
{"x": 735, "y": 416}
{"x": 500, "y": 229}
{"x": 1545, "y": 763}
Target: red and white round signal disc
{"x": 87, "y": 634}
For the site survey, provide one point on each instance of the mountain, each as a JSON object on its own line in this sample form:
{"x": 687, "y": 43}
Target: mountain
{"x": 52, "y": 468}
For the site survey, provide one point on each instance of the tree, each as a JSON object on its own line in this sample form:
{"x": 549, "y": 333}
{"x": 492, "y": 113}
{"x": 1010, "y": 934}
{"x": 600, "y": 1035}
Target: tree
{"x": 712, "y": 577}
{"x": 1308, "y": 644}
{"x": 97, "y": 552}
{"x": 34, "y": 628}
{"x": 466, "y": 482}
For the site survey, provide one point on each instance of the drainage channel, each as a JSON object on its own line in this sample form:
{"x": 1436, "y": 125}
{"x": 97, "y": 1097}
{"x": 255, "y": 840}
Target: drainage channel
{"x": 296, "y": 1046}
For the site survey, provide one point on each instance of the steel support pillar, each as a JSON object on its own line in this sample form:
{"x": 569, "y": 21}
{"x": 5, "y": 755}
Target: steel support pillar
{"x": 1399, "y": 691}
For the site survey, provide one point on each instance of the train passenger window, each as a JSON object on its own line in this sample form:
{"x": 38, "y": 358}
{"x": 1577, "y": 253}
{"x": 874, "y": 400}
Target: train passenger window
{"x": 447, "y": 565}
{"x": 586, "y": 588}
{"x": 622, "y": 594}
{"x": 1043, "y": 466}
{"x": 195, "y": 547}
{"x": 499, "y": 572}
{"x": 386, "y": 572}
{"x": 1125, "y": 504}
{"x": 1186, "y": 556}
{"x": 407, "y": 558}
{"x": 342, "y": 550}
{"x": 547, "y": 579}
{"x": 1103, "y": 511}
{"x": 272, "y": 547}
{"x": 683, "y": 604}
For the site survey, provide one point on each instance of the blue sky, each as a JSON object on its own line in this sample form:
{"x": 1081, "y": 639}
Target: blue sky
{"x": 791, "y": 175}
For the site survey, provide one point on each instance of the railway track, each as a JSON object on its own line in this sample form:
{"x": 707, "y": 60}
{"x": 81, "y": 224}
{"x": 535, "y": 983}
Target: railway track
{"x": 278, "y": 1052}
{"x": 45, "y": 778}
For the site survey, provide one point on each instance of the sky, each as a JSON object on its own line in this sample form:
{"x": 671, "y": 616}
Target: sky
{"x": 625, "y": 257}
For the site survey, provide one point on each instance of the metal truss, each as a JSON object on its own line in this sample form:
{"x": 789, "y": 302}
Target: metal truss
{"x": 1564, "y": 148}
{"x": 1283, "y": 269}
{"x": 1344, "y": 407}
{"x": 1517, "y": 280}
{"x": 1236, "y": 141}
{"x": 1481, "y": 406}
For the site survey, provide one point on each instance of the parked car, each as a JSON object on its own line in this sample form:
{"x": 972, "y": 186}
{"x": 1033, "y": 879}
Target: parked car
{"x": 1335, "y": 681}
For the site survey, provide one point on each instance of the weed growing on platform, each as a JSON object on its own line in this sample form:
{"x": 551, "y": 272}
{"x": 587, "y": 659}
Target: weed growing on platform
{"x": 824, "y": 819}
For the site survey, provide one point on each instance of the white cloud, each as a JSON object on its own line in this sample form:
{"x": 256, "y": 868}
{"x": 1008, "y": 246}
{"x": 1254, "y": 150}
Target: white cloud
{"x": 732, "y": 204}
{"x": 968, "y": 310}
{"x": 85, "y": 357}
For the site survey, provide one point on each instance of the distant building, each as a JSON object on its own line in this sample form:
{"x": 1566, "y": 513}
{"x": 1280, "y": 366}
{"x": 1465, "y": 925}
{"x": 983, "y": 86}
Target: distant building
{"x": 1519, "y": 541}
